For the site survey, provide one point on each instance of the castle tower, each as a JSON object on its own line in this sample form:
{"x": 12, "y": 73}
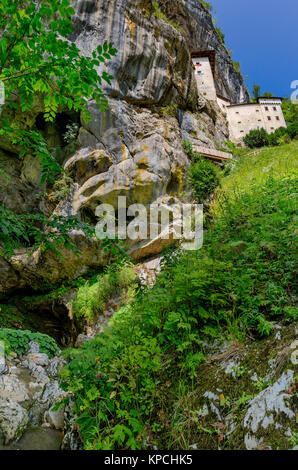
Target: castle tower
{"x": 204, "y": 63}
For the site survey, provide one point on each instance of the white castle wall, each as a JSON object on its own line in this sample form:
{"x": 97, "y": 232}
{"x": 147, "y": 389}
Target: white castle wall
{"x": 245, "y": 118}
{"x": 242, "y": 118}
{"x": 222, "y": 103}
{"x": 272, "y": 114}
{"x": 204, "y": 77}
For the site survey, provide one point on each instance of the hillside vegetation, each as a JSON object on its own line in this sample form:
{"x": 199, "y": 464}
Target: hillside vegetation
{"x": 136, "y": 384}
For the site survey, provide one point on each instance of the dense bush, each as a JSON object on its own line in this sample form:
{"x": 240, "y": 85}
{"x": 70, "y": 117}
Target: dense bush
{"x": 260, "y": 138}
{"x": 256, "y": 138}
{"x": 203, "y": 175}
{"x": 280, "y": 136}
{"x": 293, "y": 129}
{"x": 203, "y": 178}
{"x": 18, "y": 341}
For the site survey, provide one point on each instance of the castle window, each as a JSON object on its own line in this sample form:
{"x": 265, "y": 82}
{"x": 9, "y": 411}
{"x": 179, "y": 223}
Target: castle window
{"x": 237, "y": 112}
{"x": 266, "y": 108}
{"x": 277, "y": 118}
{"x": 269, "y": 118}
{"x": 241, "y": 131}
{"x": 259, "y": 120}
{"x": 239, "y": 122}
{"x": 274, "y": 108}
{"x": 257, "y": 110}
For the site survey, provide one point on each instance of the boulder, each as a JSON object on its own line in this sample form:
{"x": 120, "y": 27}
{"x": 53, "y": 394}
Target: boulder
{"x": 12, "y": 388}
{"x": 13, "y": 420}
{"x": 55, "y": 418}
{"x": 38, "y": 358}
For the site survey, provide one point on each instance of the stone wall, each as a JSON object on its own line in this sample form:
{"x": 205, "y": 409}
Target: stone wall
{"x": 245, "y": 118}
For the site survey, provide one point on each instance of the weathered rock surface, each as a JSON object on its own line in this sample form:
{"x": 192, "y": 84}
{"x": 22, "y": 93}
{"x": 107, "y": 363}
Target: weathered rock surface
{"x": 28, "y": 392}
{"x": 135, "y": 148}
{"x": 248, "y": 393}
{"x": 13, "y": 420}
{"x": 12, "y": 388}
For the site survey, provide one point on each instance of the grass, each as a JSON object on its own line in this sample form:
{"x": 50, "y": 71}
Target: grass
{"x": 255, "y": 167}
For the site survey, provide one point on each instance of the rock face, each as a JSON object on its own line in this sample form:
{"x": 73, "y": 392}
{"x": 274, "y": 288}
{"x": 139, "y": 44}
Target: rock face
{"x": 135, "y": 148}
{"x": 249, "y": 394}
{"x": 28, "y": 391}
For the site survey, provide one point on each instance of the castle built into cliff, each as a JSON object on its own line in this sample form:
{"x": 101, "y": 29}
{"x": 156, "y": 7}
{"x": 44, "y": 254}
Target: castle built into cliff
{"x": 242, "y": 117}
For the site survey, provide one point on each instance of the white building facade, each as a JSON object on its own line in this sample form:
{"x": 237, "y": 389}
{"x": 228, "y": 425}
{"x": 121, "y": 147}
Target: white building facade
{"x": 242, "y": 117}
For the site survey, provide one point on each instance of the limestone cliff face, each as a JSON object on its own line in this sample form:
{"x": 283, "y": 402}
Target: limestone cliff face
{"x": 135, "y": 148}
{"x": 200, "y": 34}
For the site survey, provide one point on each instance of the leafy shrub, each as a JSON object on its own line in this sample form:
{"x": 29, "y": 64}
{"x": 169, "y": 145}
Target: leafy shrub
{"x": 260, "y": 138}
{"x": 203, "y": 178}
{"x": 237, "y": 66}
{"x": 186, "y": 144}
{"x": 220, "y": 34}
{"x": 290, "y": 111}
{"x": 279, "y": 137}
{"x": 71, "y": 133}
{"x": 92, "y": 295}
{"x": 18, "y": 341}
{"x": 203, "y": 175}
{"x": 256, "y": 138}
{"x": 293, "y": 130}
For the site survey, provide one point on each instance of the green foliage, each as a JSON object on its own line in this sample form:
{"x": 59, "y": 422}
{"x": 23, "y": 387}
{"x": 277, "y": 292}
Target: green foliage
{"x": 31, "y": 230}
{"x": 292, "y": 130}
{"x": 170, "y": 110}
{"x": 72, "y": 132}
{"x": 237, "y": 66}
{"x": 256, "y": 138}
{"x": 260, "y": 138}
{"x": 218, "y": 31}
{"x": 256, "y": 92}
{"x": 188, "y": 148}
{"x": 207, "y": 5}
{"x": 93, "y": 295}
{"x": 161, "y": 16}
{"x": 37, "y": 58}
{"x": 18, "y": 341}
{"x": 290, "y": 111}
{"x": 243, "y": 279}
{"x": 231, "y": 147}
{"x": 61, "y": 189}
{"x": 203, "y": 176}
{"x": 220, "y": 34}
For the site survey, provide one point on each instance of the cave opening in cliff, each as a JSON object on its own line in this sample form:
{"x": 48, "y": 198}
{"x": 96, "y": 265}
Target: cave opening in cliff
{"x": 60, "y": 125}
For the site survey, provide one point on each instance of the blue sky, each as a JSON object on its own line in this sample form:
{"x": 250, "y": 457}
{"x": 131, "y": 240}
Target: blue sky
{"x": 264, "y": 37}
